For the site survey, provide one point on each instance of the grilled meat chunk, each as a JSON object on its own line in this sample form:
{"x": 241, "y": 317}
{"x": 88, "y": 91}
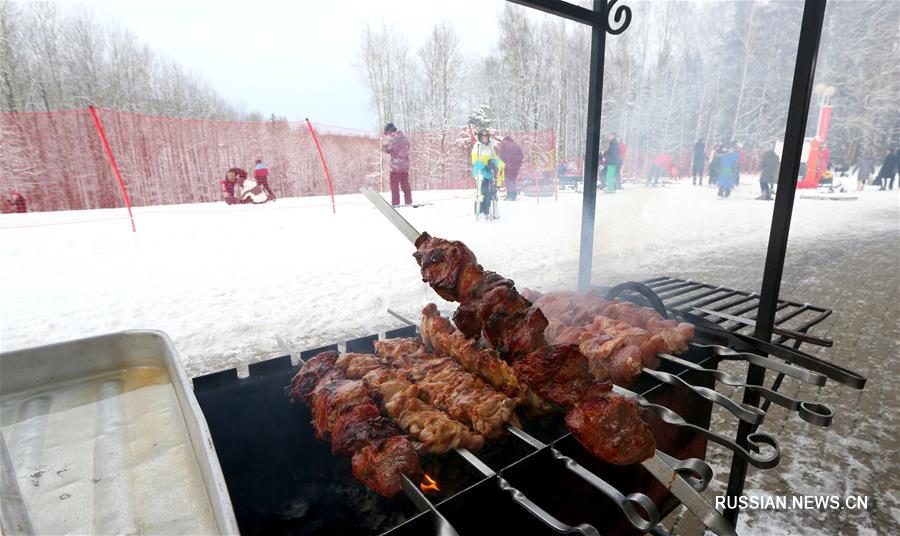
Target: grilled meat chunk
{"x": 448, "y": 387}
{"x": 331, "y": 398}
{"x": 358, "y": 427}
{"x": 310, "y": 374}
{"x": 510, "y": 325}
{"x": 439, "y": 334}
{"x": 612, "y": 358}
{"x": 559, "y": 373}
{"x": 449, "y": 267}
{"x": 612, "y": 429}
{"x": 381, "y": 465}
{"x": 437, "y": 432}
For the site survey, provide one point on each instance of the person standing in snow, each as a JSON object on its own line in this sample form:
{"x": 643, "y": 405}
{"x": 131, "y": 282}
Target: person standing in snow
{"x": 699, "y": 163}
{"x": 261, "y": 176}
{"x": 770, "y": 164}
{"x": 486, "y": 165}
{"x": 512, "y": 155}
{"x": 613, "y": 160}
{"x": 397, "y": 146}
{"x": 728, "y": 171}
{"x": 715, "y": 163}
{"x": 888, "y": 168}
{"x": 864, "y": 169}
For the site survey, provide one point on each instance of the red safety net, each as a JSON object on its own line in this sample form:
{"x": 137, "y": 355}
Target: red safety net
{"x": 58, "y": 162}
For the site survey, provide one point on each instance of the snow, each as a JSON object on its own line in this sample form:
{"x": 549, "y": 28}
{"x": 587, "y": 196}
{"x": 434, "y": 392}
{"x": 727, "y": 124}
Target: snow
{"x": 237, "y": 284}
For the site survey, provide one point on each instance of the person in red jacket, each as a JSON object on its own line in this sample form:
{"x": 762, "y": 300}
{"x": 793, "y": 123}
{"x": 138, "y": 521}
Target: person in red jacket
{"x": 512, "y": 155}
{"x": 261, "y": 176}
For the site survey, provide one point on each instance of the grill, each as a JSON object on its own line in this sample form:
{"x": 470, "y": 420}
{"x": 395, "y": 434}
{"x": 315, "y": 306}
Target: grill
{"x": 540, "y": 481}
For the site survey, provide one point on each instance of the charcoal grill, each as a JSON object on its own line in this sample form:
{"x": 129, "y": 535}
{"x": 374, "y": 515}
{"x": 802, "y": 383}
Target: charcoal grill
{"x": 283, "y": 481}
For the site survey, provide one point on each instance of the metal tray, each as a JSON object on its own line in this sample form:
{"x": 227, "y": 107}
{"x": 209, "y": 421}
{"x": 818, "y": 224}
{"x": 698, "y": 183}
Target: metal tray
{"x": 104, "y": 436}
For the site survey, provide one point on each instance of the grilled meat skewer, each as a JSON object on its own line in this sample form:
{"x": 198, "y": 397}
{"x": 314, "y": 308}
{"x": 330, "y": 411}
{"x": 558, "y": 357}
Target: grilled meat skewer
{"x": 448, "y": 387}
{"x": 344, "y": 412}
{"x": 608, "y": 425}
{"x": 436, "y": 430}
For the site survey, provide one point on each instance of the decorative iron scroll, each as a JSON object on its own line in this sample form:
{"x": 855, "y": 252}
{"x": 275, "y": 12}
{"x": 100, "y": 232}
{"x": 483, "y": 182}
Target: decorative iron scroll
{"x": 622, "y": 12}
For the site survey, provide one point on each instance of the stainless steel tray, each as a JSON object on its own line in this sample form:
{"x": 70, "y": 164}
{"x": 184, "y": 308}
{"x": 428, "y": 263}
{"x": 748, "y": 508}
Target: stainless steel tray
{"x": 104, "y": 436}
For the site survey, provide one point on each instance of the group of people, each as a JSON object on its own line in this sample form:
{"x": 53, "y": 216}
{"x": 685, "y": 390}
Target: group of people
{"x": 239, "y": 188}
{"x": 14, "y": 204}
{"x": 494, "y": 165}
{"x": 890, "y": 167}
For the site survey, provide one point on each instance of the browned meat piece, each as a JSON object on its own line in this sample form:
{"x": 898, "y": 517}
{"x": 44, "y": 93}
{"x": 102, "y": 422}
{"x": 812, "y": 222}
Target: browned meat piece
{"x": 397, "y": 347}
{"x": 331, "y": 398}
{"x": 314, "y": 370}
{"x": 359, "y": 426}
{"x": 449, "y": 267}
{"x": 612, "y": 429}
{"x": 574, "y": 309}
{"x": 438, "y": 334}
{"x": 382, "y": 464}
{"x": 355, "y": 366}
{"x": 467, "y": 320}
{"x": 510, "y": 325}
{"x": 559, "y": 373}
{"x": 437, "y": 432}
{"x": 445, "y": 385}
{"x": 612, "y": 357}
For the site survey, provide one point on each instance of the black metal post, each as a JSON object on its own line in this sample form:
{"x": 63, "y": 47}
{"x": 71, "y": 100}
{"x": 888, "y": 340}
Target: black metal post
{"x": 801, "y": 95}
{"x": 592, "y": 145}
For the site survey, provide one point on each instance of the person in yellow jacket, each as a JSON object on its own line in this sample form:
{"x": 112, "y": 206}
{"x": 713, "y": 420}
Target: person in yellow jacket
{"x": 487, "y": 170}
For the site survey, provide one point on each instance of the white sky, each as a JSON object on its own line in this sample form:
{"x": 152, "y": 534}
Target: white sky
{"x": 298, "y": 58}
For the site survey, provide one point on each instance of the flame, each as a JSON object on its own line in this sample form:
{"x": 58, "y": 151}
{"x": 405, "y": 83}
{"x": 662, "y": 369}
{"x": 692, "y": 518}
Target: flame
{"x": 428, "y": 484}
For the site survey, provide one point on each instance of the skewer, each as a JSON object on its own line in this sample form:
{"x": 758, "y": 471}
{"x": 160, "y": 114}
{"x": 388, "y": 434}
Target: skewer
{"x": 746, "y": 413}
{"x": 669, "y": 416}
{"x": 441, "y": 525}
{"x": 811, "y": 412}
{"x": 812, "y": 378}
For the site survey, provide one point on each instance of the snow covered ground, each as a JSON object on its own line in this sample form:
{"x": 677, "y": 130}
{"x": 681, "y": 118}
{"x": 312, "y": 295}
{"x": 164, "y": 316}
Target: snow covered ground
{"x": 237, "y": 284}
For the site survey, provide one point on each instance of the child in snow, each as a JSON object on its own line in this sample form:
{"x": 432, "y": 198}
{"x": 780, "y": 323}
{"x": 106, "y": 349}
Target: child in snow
{"x": 261, "y": 176}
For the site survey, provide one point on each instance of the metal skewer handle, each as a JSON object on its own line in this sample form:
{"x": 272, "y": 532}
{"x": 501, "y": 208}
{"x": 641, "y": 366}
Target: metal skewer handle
{"x": 811, "y": 412}
{"x": 806, "y": 376}
{"x": 544, "y": 516}
{"x": 625, "y": 503}
{"x": 669, "y": 416}
{"x": 746, "y": 413}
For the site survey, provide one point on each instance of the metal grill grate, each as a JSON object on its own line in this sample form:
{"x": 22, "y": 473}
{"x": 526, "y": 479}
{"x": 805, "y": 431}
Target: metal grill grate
{"x": 686, "y": 295}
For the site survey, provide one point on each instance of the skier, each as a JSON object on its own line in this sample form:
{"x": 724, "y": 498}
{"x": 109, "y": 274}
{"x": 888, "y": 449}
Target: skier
{"x": 15, "y": 204}
{"x": 261, "y": 176}
{"x": 770, "y": 164}
{"x": 486, "y": 166}
{"x": 397, "y": 145}
{"x": 888, "y": 168}
{"x": 699, "y": 162}
{"x": 613, "y": 160}
{"x": 511, "y": 155}
{"x": 729, "y": 171}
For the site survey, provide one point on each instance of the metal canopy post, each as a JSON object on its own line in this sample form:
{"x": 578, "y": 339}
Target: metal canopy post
{"x": 592, "y": 146}
{"x": 801, "y": 95}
